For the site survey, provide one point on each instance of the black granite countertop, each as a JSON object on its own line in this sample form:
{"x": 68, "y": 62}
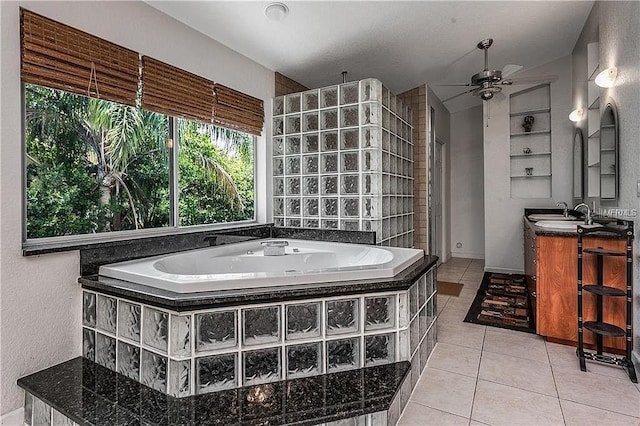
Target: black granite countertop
{"x": 564, "y": 233}
{"x": 93, "y": 395}
{"x": 222, "y": 298}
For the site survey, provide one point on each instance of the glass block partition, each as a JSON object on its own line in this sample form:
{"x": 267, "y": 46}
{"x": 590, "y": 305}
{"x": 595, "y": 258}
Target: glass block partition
{"x": 343, "y": 159}
{"x": 188, "y": 353}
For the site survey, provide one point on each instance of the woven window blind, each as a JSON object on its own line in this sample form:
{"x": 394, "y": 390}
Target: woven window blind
{"x": 61, "y": 57}
{"x": 172, "y": 91}
{"x": 238, "y": 111}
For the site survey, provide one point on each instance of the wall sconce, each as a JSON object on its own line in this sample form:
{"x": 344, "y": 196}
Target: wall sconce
{"x": 607, "y": 77}
{"x": 576, "y": 115}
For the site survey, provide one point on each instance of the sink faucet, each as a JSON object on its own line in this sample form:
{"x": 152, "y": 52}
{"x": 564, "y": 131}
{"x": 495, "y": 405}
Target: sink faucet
{"x": 588, "y": 219}
{"x": 565, "y": 206}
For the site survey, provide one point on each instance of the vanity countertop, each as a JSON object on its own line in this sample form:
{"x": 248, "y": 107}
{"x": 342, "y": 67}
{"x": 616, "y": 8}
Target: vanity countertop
{"x": 538, "y": 230}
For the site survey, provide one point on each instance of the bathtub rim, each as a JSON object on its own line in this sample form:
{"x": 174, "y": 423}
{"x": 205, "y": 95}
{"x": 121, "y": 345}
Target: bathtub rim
{"x": 183, "y": 302}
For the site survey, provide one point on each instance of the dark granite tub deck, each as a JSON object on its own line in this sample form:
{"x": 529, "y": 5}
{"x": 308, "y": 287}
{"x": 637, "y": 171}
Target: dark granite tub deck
{"x": 89, "y": 394}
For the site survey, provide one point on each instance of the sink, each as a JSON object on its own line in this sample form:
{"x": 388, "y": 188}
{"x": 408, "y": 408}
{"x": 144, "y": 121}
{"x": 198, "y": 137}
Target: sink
{"x": 550, "y": 216}
{"x": 563, "y": 225}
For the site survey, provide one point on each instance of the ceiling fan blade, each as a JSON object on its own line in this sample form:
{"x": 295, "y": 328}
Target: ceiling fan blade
{"x": 510, "y": 69}
{"x": 459, "y": 94}
{"x": 453, "y": 85}
{"x": 530, "y": 80}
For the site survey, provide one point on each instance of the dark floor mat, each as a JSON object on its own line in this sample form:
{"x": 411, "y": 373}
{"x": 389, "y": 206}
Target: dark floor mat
{"x": 502, "y": 302}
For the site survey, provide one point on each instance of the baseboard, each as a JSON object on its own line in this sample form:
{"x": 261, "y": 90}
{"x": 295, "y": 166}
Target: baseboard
{"x": 503, "y": 270}
{"x": 467, "y": 255}
{"x": 13, "y": 418}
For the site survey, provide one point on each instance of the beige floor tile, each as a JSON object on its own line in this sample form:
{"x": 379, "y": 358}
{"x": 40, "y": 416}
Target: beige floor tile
{"x": 472, "y": 276}
{"x": 452, "y": 277}
{"x": 457, "y": 269}
{"x": 608, "y": 393}
{"x": 521, "y": 345}
{"x": 458, "y": 262}
{"x": 445, "y": 391}
{"x": 420, "y": 415}
{"x": 453, "y": 313}
{"x": 583, "y": 415}
{"x": 563, "y": 358}
{"x": 455, "y": 359}
{"x": 467, "y": 335}
{"x": 477, "y": 423}
{"x": 468, "y": 293}
{"x": 529, "y": 375}
{"x": 441, "y": 302}
{"x": 497, "y": 404}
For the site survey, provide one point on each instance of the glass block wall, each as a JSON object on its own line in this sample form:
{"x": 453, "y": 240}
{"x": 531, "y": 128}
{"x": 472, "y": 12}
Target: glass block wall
{"x": 187, "y": 353}
{"x": 343, "y": 159}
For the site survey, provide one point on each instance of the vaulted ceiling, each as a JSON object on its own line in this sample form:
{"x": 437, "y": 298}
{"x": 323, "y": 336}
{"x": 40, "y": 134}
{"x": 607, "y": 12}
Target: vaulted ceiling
{"x": 403, "y": 43}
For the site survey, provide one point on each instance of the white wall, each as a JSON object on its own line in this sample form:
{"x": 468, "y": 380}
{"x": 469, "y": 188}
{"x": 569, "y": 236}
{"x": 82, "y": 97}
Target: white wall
{"x": 617, "y": 25}
{"x": 40, "y": 300}
{"x": 467, "y": 192}
{"x": 503, "y": 214}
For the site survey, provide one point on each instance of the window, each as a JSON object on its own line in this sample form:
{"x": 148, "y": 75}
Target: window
{"x": 95, "y": 166}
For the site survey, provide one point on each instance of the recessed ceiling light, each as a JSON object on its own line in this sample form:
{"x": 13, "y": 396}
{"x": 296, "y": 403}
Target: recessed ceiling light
{"x": 276, "y": 11}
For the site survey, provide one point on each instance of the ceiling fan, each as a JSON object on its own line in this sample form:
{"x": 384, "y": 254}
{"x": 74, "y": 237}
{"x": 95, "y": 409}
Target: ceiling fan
{"x": 488, "y": 82}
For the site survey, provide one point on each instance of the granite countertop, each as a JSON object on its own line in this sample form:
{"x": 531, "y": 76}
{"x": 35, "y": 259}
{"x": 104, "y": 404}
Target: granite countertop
{"x": 564, "y": 233}
{"x": 93, "y": 395}
{"x": 222, "y": 298}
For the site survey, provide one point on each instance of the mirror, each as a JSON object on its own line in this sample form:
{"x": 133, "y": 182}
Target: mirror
{"x": 578, "y": 162}
{"x": 609, "y": 153}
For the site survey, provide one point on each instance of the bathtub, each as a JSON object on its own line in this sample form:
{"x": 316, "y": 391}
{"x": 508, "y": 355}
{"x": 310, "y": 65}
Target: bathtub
{"x": 244, "y": 265}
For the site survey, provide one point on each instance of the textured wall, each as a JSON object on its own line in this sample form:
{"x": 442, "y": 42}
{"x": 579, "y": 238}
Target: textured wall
{"x": 617, "y": 26}
{"x": 416, "y": 99}
{"x": 40, "y": 300}
{"x": 286, "y": 86}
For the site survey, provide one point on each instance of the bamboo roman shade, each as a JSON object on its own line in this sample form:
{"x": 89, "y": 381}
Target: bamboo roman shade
{"x": 172, "y": 91}
{"x": 60, "y": 57}
{"x": 238, "y": 111}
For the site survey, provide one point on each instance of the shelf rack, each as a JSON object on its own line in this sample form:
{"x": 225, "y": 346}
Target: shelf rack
{"x": 621, "y": 229}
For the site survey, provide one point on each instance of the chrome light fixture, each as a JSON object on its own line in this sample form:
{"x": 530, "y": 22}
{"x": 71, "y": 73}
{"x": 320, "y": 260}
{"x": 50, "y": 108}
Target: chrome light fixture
{"x": 607, "y": 77}
{"x": 576, "y": 115}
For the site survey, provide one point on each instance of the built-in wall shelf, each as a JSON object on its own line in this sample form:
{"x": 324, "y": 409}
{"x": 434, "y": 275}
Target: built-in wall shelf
{"x": 539, "y": 132}
{"x": 538, "y": 111}
{"x": 531, "y": 176}
{"x": 593, "y": 121}
{"x": 532, "y": 154}
{"x": 530, "y": 142}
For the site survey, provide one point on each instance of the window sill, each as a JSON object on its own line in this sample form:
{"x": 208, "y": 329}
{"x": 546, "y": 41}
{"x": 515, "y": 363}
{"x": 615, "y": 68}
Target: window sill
{"x": 40, "y": 246}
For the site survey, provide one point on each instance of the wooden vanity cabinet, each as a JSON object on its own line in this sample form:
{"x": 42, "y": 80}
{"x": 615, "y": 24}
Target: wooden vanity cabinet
{"x": 551, "y": 271}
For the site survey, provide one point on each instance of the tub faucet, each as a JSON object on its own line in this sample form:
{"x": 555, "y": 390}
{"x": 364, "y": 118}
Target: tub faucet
{"x": 588, "y": 218}
{"x": 565, "y": 206}
{"x": 211, "y": 239}
{"x": 274, "y": 248}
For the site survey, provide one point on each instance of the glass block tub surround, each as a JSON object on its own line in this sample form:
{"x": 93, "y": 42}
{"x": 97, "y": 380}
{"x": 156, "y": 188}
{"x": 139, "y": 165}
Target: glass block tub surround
{"x": 343, "y": 159}
{"x": 201, "y": 351}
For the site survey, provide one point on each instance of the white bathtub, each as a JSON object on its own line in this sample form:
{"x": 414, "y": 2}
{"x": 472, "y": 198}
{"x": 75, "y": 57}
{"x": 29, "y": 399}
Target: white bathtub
{"x": 244, "y": 265}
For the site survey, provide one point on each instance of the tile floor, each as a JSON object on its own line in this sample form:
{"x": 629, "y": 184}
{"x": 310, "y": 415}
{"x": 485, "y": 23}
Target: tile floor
{"x": 481, "y": 375}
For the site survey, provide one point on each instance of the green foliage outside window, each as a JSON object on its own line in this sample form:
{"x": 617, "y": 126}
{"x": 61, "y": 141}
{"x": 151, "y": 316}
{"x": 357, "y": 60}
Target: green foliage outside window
{"x": 95, "y": 166}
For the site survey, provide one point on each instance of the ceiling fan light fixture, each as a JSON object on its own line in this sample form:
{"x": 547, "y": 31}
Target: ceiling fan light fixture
{"x": 576, "y": 115}
{"x": 276, "y": 11}
{"x": 607, "y": 77}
